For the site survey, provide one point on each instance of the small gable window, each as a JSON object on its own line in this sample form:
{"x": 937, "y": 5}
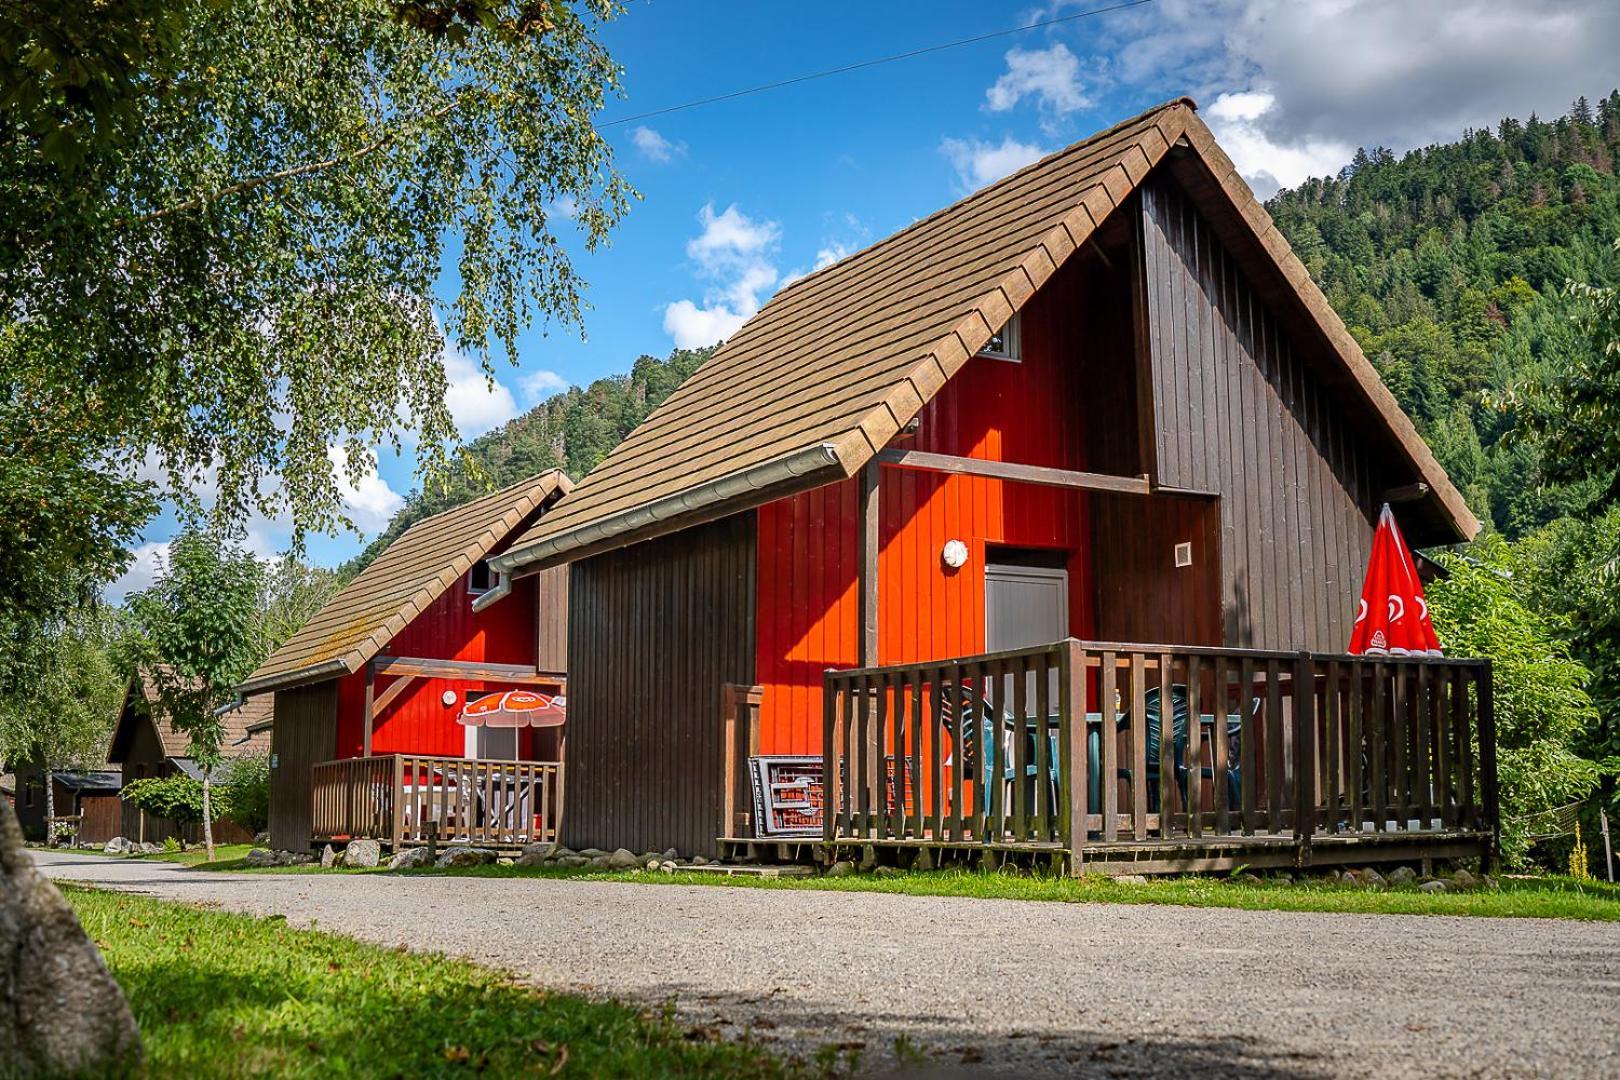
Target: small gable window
{"x": 1006, "y": 343}
{"x": 481, "y": 579}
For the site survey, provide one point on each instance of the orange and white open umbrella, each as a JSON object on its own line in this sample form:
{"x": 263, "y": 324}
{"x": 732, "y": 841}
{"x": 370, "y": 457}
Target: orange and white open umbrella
{"x": 515, "y": 709}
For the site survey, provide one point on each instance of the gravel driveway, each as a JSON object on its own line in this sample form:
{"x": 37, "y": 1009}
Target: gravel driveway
{"x": 1012, "y": 987}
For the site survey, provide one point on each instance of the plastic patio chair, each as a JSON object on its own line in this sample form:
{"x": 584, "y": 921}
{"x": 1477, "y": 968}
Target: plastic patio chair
{"x": 1179, "y": 738}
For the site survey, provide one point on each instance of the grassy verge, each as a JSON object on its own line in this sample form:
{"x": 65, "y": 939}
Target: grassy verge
{"x": 1540, "y": 898}
{"x": 1544, "y": 897}
{"x": 222, "y": 995}
{"x": 226, "y": 856}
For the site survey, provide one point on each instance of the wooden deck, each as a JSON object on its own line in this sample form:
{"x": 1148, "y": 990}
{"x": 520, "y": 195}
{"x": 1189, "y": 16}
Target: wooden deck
{"x": 404, "y": 800}
{"x": 1297, "y": 759}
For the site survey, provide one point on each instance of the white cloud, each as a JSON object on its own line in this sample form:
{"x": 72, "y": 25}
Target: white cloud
{"x": 476, "y": 402}
{"x": 367, "y": 499}
{"x": 539, "y": 385}
{"x": 979, "y": 163}
{"x": 733, "y": 252}
{"x": 564, "y": 206}
{"x": 1238, "y": 121}
{"x": 143, "y": 571}
{"x": 1051, "y": 77}
{"x": 1335, "y": 75}
{"x": 654, "y": 147}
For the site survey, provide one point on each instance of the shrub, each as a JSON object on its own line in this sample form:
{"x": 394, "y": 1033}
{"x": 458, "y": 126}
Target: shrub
{"x": 177, "y": 797}
{"x": 1542, "y": 703}
{"x": 244, "y": 792}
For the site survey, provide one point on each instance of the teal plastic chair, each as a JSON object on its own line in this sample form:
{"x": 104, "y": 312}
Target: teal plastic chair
{"x": 1179, "y": 722}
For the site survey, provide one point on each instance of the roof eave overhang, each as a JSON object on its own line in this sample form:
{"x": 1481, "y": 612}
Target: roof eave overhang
{"x": 810, "y": 467}
{"x": 287, "y": 680}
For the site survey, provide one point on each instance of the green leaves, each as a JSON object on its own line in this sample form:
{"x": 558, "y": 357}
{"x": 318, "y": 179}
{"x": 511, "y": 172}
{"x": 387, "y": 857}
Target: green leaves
{"x": 243, "y": 278}
{"x": 194, "y": 634}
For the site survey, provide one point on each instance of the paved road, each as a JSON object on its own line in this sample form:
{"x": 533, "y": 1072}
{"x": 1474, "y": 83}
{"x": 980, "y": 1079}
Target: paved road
{"x": 1013, "y": 987}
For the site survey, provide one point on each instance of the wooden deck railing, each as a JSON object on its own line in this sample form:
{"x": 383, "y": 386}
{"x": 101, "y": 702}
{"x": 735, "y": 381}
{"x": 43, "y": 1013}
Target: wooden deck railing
{"x": 1066, "y": 747}
{"x": 397, "y": 798}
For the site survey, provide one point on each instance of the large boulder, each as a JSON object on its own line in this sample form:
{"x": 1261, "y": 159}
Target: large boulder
{"x": 116, "y": 846}
{"x": 409, "y": 859}
{"x": 462, "y": 855}
{"x": 61, "y": 1013}
{"x": 623, "y": 859}
{"x": 259, "y": 857}
{"x": 362, "y": 853}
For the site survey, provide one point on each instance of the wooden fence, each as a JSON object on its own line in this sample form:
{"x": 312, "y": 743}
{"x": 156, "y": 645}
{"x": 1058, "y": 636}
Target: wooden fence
{"x": 1069, "y": 747}
{"x": 398, "y": 798}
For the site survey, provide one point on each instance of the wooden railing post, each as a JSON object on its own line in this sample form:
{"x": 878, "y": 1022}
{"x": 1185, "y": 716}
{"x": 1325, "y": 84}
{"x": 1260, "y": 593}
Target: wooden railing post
{"x": 397, "y": 802}
{"x": 739, "y": 719}
{"x": 829, "y": 763}
{"x": 1073, "y": 775}
{"x": 1487, "y": 767}
{"x": 1304, "y": 755}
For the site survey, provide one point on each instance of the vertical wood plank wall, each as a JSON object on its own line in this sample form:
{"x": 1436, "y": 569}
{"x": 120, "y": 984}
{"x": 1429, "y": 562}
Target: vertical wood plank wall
{"x": 1050, "y": 409}
{"x": 1239, "y": 412}
{"x": 654, "y": 630}
{"x": 1142, "y": 595}
{"x": 551, "y": 638}
{"x": 305, "y": 734}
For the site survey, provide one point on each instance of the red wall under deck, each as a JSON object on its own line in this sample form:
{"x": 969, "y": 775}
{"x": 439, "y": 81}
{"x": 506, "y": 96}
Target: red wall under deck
{"x": 1027, "y": 412}
{"x": 419, "y": 722}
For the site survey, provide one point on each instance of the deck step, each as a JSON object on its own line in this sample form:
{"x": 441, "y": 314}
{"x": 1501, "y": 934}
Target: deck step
{"x": 750, "y": 870}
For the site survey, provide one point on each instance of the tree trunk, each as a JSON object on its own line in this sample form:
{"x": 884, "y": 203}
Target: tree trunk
{"x": 50, "y": 806}
{"x": 208, "y": 812}
{"x": 61, "y": 1013}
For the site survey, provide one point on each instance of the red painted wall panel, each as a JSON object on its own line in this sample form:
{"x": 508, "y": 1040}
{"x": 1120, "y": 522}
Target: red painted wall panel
{"x": 1027, "y": 412}
{"x": 419, "y": 722}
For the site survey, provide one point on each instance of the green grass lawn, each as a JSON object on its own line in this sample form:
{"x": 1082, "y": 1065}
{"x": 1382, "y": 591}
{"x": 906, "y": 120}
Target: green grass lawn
{"x": 1545, "y": 897}
{"x": 1540, "y": 897}
{"x": 226, "y": 856}
{"x": 223, "y": 995}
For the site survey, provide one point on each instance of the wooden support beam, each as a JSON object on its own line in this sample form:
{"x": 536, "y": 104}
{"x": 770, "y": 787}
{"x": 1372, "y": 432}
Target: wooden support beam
{"x": 370, "y": 710}
{"x": 387, "y": 697}
{"x": 463, "y": 669}
{"x": 1007, "y": 470}
{"x": 1407, "y": 493}
{"x": 867, "y": 571}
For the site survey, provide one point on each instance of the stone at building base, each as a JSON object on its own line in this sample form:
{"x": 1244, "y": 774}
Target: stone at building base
{"x": 409, "y": 859}
{"x": 462, "y": 855}
{"x": 363, "y": 854}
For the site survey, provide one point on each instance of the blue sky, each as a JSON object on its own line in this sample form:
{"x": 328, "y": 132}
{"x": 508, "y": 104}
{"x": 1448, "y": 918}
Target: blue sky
{"x": 738, "y": 197}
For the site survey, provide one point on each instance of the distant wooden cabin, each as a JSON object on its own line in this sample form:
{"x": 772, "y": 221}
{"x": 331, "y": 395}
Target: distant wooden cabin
{"x": 1097, "y": 403}
{"x": 386, "y": 667}
{"x": 142, "y": 746}
{"x": 87, "y": 798}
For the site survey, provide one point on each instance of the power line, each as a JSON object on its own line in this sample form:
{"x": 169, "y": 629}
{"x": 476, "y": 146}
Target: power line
{"x": 812, "y": 76}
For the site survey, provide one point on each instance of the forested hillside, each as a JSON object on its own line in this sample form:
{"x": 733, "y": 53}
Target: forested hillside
{"x": 573, "y": 431}
{"x": 1449, "y": 265}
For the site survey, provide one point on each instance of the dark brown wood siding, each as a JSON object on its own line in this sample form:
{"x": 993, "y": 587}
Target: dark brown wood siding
{"x": 654, "y": 631}
{"x": 304, "y": 735}
{"x": 551, "y": 608}
{"x": 1239, "y": 412}
{"x": 1142, "y": 596}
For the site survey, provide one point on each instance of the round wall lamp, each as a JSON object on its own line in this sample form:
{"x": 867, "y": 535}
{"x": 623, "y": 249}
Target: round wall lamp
{"x": 954, "y": 554}
{"x": 448, "y": 697}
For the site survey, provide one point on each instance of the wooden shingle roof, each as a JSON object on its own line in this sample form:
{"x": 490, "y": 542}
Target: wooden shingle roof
{"x": 235, "y": 742}
{"x": 820, "y": 380}
{"x": 411, "y": 574}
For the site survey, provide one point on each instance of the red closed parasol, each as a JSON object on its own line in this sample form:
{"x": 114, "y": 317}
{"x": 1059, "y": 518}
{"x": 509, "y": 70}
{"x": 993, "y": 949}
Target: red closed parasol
{"x": 515, "y": 709}
{"x": 1393, "y": 618}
